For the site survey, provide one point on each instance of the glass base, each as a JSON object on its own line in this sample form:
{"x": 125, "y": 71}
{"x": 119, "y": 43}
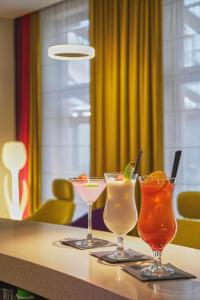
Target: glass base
{"x": 156, "y": 270}
{"x": 120, "y": 255}
{"x": 90, "y": 243}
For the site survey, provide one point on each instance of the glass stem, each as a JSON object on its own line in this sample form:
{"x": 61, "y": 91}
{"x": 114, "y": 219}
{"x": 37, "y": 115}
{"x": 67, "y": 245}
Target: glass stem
{"x": 120, "y": 243}
{"x": 89, "y": 234}
{"x": 157, "y": 258}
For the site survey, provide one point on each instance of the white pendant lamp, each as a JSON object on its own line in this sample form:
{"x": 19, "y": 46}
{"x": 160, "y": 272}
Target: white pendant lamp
{"x": 71, "y": 52}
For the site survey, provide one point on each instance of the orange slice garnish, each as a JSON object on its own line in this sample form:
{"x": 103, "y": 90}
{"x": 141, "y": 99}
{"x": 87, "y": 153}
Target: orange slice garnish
{"x": 158, "y": 176}
{"x": 154, "y": 182}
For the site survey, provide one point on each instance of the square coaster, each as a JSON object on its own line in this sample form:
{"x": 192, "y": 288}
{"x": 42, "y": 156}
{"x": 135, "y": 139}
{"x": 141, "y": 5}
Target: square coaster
{"x": 136, "y": 272}
{"x": 98, "y": 243}
{"x": 103, "y": 255}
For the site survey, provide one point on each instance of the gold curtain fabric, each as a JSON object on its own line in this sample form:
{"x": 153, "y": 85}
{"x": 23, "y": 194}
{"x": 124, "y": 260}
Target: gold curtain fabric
{"x": 126, "y": 85}
{"x": 35, "y": 114}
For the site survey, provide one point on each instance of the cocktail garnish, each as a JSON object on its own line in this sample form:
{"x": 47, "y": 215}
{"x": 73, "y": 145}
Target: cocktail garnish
{"x": 120, "y": 177}
{"x": 128, "y": 171}
{"x": 157, "y": 176}
{"x": 91, "y": 185}
{"x": 83, "y": 178}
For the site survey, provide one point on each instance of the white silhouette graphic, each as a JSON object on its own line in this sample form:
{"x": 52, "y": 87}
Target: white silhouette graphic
{"x": 14, "y": 157}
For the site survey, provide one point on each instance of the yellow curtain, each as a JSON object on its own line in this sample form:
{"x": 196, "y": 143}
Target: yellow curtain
{"x": 126, "y": 85}
{"x": 35, "y": 114}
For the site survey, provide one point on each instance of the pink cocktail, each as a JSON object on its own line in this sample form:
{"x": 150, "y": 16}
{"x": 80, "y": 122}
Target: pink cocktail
{"x": 89, "y": 189}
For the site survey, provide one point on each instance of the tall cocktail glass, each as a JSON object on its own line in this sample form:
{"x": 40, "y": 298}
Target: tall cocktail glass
{"x": 120, "y": 213}
{"x": 89, "y": 189}
{"x": 157, "y": 223}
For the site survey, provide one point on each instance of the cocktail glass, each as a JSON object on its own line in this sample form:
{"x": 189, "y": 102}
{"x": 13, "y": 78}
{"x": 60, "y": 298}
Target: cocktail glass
{"x": 157, "y": 223}
{"x": 120, "y": 213}
{"x": 89, "y": 189}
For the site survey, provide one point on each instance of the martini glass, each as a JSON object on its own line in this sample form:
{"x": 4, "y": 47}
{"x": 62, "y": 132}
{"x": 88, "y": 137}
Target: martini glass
{"x": 89, "y": 189}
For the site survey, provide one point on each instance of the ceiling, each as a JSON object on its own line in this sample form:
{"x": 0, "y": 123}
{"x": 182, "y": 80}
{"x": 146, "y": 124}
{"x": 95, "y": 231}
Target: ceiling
{"x": 15, "y": 8}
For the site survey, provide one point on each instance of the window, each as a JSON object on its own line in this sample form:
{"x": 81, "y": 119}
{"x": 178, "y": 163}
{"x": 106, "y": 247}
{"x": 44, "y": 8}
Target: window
{"x": 182, "y": 89}
{"x": 65, "y": 96}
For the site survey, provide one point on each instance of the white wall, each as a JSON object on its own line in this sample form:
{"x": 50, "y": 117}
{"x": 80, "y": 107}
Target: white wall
{"x": 7, "y": 108}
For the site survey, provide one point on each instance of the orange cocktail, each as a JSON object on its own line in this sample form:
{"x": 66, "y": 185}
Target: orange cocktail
{"x": 156, "y": 223}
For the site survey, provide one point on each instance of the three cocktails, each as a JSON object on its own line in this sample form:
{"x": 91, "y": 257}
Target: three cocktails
{"x": 156, "y": 224}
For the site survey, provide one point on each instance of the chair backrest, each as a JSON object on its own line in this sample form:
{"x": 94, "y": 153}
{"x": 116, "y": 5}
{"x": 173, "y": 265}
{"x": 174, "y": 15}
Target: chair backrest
{"x": 55, "y": 212}
{"x": 188, "y": 233}
{"x": 59, "y": 210}
{"x": 189, "y": 204}
{"x": 63, "y": 189}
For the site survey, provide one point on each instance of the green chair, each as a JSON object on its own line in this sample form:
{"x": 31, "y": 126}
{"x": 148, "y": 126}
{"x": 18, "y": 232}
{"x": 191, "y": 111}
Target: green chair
{"x": 59, "y": 210}
{"x": 188, "y": 233}
{"x": 189, "y": 204}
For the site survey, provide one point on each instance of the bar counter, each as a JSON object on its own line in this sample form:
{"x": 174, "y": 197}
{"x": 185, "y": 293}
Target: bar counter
{"x": 32, "y": 258}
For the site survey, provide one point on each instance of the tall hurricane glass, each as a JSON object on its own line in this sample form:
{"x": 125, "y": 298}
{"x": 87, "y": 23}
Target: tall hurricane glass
{"x": 120, "y": 213}
{"x": 89, "y": 189}
{"x": 157, "y": 223}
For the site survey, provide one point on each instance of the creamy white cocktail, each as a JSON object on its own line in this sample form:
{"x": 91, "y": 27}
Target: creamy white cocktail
{"x": 120, "y": 213}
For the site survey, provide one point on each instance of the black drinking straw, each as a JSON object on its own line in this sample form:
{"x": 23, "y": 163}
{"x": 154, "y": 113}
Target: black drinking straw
{"x": 177, "y": 157}
{"x": 137, "y": 163}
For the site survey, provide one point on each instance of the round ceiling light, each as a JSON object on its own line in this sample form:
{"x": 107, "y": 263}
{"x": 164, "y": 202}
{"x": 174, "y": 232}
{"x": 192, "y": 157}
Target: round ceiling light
{"x": 71, "y": 52}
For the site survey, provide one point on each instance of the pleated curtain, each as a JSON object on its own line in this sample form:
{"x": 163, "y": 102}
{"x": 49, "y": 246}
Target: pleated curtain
{"x": 28, "y": 102}
{"x": 35, "y": 141}
{"x": 22, "y": 78}
{"x": 126, "y": 85}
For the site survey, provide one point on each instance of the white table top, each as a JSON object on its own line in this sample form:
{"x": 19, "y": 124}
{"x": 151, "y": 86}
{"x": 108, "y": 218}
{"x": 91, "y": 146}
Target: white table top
{"x": 32, "y": 258}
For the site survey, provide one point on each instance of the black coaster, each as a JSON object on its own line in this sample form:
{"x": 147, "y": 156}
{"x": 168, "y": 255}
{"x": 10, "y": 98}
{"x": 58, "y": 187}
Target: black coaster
{"x": 103, "y": 255}
{"x": 98, "y": 244}
{"x": 136, "y": 272}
